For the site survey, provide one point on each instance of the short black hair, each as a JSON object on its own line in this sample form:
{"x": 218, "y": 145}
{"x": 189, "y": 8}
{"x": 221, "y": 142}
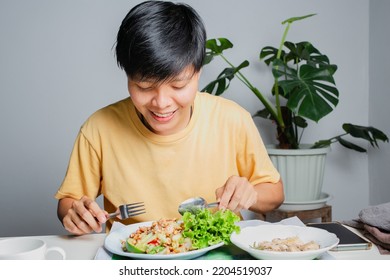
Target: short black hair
{"x": 159, "y": 39}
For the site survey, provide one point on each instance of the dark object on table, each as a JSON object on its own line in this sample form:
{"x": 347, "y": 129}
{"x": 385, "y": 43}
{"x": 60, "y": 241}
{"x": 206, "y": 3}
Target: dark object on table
{"x": 348, "y": 239}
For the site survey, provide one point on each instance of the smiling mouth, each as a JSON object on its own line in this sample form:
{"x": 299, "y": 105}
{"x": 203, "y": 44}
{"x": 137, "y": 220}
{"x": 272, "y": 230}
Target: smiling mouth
{"x": 163, "y": 115}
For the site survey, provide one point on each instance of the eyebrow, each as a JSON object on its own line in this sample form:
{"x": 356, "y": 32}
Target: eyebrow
{"x": 167, "y": 80}
{"x": 181, "y": 78}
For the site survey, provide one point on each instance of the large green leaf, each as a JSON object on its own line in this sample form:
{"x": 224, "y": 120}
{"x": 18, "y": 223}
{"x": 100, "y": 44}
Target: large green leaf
{"x": 309, "y": 91}
{"x": 308, "y": 85}
{"x": 263, "y": 113}
{"x": 222, "y": 83}
{"x": 268, "y": 54}
{"x": 369, "y": 133}
{"x": 218, "y": 45}
{"x": 350, "y": 145}
{"x": 302, "y": 51}
{"x": 215, "y": 47}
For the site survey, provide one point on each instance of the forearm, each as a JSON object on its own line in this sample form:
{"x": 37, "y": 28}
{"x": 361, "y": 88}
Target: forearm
{"x": 269, "y": 197}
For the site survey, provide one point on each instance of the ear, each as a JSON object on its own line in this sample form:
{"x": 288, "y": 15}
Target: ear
{"x": 197, "y": 75}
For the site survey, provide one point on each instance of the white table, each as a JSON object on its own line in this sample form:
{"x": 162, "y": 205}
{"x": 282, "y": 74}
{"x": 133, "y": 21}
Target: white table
{"x": 76, "y": 247}
{"x": 85, "y": 247}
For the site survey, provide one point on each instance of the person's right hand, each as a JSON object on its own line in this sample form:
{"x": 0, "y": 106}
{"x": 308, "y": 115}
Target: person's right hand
{"x": 84, "y": 216}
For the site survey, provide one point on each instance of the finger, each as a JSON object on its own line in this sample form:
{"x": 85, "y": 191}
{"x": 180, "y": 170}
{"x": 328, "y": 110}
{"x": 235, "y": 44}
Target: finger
{"x": 249, "y": 196}
{"x": 83, "y": 211}
{"x": 71, "y": 227}
{"x": 74, "y": 224}
{"x": 242, "y": 195}
{"x": 235, "y": 200}
{"x": 228, "y": 191}
{"x": 95, "y": 210}
{"x": 218, "y": 193}
{"x": 241, "y": 202}
{"x": 81, "y": 224}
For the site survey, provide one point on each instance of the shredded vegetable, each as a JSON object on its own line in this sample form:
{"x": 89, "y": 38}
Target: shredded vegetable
{"x": 206, "y": 228}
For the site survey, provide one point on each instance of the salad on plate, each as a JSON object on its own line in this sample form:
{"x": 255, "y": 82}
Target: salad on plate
{"x": 191, "y": 232}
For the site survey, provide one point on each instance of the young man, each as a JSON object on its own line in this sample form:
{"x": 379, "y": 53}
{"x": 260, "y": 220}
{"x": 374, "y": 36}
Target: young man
{"x": 166, "y": 142}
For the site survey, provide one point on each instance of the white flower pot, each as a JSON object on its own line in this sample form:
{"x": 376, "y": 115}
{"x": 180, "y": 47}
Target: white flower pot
{"x": 302, "y": 171}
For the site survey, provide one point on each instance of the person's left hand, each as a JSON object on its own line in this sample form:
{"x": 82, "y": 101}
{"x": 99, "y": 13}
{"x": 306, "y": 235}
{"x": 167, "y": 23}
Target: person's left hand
{"x": 236, "y": 194}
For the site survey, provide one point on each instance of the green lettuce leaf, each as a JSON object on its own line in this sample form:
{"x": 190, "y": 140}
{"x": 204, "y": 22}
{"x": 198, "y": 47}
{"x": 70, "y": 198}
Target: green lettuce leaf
{"x": 206, "y": 228}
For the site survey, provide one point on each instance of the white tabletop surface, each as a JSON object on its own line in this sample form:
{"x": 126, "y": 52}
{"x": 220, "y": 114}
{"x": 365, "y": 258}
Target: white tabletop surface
{"x": 85, "y": 247}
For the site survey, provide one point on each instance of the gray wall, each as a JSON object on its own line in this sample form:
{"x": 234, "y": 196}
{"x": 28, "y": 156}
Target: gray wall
{"x": 57, "y": 66}
{"x": 379, "y": 98}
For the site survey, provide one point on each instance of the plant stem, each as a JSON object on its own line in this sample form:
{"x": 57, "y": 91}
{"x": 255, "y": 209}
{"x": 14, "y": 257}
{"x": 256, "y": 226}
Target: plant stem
{"x": 335, "y": 137}
{"x": 267, "y": 104}
{"x": 283, "y": 40}
{"x": 277, "y": 96}
{"x": 239, "y": 75}
{"x": 300, "y": 136}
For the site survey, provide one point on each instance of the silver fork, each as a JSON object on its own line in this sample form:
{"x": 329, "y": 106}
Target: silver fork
{"x": 125, "y": 211}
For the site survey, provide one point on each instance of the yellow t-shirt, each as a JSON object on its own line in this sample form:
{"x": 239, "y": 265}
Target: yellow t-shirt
{"x": 117, "y": 156}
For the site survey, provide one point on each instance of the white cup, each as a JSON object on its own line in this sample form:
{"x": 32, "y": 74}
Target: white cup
{"x": 26, "y": 248}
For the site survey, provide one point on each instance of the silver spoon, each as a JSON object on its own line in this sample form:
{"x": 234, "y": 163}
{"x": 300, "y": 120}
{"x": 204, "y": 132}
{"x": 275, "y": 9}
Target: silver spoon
{"x": 195, "y": 204}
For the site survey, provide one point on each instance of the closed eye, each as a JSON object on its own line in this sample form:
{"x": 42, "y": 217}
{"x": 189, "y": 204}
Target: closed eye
{"x": 179, "y": 86}
{"x": 144, "y": 88}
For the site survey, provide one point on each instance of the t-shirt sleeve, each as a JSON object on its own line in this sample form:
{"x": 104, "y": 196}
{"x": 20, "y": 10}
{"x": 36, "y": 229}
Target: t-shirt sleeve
{"x": 254, "y": 162}
{"x": 83, "y": 175}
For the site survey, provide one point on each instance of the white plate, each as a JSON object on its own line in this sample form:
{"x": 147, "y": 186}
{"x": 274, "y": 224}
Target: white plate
{"x": 249, "y": 235}
{"x": 305, "y": 205}
{"x": 114, "y": 238}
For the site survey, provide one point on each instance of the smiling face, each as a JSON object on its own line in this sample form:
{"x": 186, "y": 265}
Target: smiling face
{"x": 165, "y": 108}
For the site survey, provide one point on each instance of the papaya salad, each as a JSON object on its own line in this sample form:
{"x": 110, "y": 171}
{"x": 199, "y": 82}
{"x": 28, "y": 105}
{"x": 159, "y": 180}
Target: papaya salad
{"x": 191, "y": 232}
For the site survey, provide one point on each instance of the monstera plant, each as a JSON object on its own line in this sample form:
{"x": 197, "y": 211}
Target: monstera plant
{"x": 304, "y": 89}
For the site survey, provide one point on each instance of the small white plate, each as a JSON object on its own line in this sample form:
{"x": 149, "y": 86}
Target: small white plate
{"x": 249, "y": 235}
{"x": 113, "y": 244}
{"x": 305, "y": 205}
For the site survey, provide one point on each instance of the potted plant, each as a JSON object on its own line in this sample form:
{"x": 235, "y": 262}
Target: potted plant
{"x": 304, "y": 89}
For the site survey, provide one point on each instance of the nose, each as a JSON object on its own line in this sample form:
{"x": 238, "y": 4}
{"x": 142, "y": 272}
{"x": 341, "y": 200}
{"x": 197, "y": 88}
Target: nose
{"x": 161, "y": 98}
